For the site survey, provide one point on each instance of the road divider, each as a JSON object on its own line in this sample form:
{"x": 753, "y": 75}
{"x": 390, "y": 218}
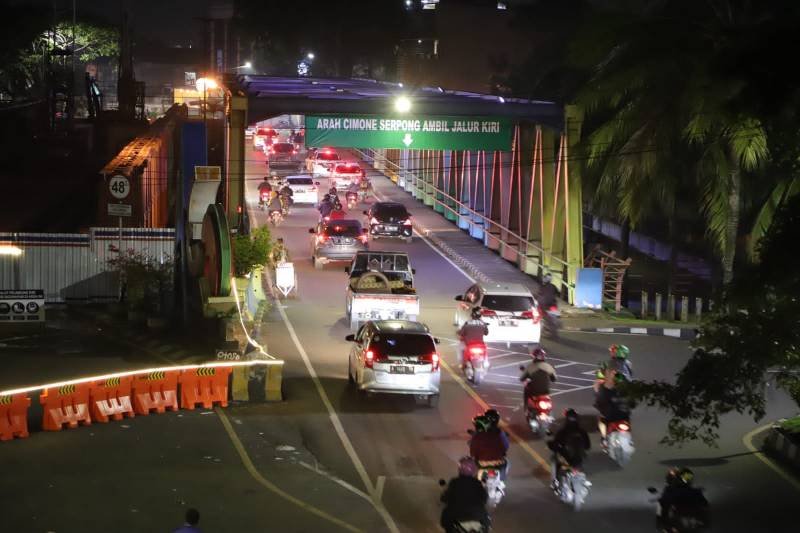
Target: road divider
{"x": 65, "y": 405}
{"x": 14, "y": 416}
{"x": 114, "y": 396}
{"x": 110, "y": 399}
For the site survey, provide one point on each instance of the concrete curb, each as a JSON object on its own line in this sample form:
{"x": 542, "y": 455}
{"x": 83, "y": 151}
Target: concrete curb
{"x": 676, "y": 333}
{"x": 779, "y": 445}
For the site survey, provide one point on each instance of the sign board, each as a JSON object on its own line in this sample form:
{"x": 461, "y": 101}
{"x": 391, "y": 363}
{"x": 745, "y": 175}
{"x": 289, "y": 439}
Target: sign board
{"x": 589, "y": 288}
{"x": 411, "y": 132}
{"x": 228, "y": 355}
{"x": 23, "y": 305}
{"x": 120, "y": 210}
{"x": 119, "y": 187}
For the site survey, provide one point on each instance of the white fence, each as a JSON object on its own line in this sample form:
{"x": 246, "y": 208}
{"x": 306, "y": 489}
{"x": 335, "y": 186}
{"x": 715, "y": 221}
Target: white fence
{"x": 74, "y": 266}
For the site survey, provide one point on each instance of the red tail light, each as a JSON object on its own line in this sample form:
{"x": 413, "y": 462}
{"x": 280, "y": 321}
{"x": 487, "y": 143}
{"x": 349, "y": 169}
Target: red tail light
{"x": 533, "y": 314}
{"x": 407, "y": 222}
{"x": 488, "y": 312}
{"x": 264, "y": 195}
{"x": 624, "y": 427}
{"x": 477, "y": 350}
{"x": 363, "y": 238}
{"x": 545, "y": 405}
{"x": 435, "y": 360}
{"x": 374, "y": 220}
{"x": 321, "y": 238}
{"x": 369, "y": 358}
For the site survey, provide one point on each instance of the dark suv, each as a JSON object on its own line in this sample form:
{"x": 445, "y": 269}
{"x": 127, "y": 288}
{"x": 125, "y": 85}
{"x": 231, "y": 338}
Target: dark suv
{"x": 389, "y": 219}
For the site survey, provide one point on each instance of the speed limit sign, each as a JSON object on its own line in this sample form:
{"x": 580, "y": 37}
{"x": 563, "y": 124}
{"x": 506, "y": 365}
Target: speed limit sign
{"x": 119, "y": 187}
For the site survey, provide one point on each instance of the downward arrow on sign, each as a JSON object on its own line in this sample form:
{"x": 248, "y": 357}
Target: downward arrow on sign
{"x": 407, "y": 140}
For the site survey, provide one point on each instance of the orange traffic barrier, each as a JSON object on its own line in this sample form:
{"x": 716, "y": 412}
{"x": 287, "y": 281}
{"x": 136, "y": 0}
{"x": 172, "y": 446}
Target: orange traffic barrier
{"x": 155, "y": 391}
{"x": 205, "y": 386}
{"x": 68, "y": 404}
{"x": 14, "y": 416}
{"x": 111, "y": 398}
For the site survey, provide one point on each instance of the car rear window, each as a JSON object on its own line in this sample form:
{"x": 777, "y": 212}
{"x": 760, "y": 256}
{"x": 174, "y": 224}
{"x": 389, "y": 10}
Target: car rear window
{"x": 402, "y": 344}
{"x": 343, "y": 228}
{"x": 328, "y": 156}
{"x": 397, "y": 211}
{"x": 300, "y": 181}
{"x": 348, "y": 169}
{"x": 283, "y": 148}
{"x": 506, "y": 302}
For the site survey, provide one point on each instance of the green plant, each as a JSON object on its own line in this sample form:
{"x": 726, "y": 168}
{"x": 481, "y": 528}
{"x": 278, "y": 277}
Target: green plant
{"x": 143, "y": 279}
{"x": 251, "y": 251}
{"x": 791, "y": 425}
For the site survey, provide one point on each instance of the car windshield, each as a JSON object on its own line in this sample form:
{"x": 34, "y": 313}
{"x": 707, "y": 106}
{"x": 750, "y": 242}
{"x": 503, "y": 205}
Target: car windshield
{"x": 389, "y": 211}
{"x": 284, "y": 148}
{"x": 507, "y": 302}
{"x": 300, "y": 181}
{"x": 348, "y": 169}
{"x": 328, "y": 156}
{"x": 402, "y": 344}
{"x": 343, "y": 228}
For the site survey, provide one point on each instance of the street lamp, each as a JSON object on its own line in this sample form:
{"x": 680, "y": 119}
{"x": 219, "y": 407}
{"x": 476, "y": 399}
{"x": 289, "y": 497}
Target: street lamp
{"x": 10, "y": 249}
{"x": 310, "y": 55}
{"x": 247, "y": 65}
{"x": 402, "y": 104}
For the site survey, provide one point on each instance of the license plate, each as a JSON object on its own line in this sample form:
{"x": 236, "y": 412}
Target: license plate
{"x": 390, "y": 228}
{"x": 401, "y": 369}
{"x": 507, "y": 323}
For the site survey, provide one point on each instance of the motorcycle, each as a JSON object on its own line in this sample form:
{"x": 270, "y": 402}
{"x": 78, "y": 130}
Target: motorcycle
{"x": 263, "y": 200}
{"x": 476, "y": 362}
{"x": 537, "y": 412}
{"x": 465, "y": 526}
{"x": 276, "y": 217}
{"x": 551, "y": 321}
{"x": 680, "y": 519}
{"x": 573, "y": 487}
{"x": 619, "y": 442}
{"x": 286, "y": 202}
{"x": 495, "y": 487}
{"x": 352, "y": 200}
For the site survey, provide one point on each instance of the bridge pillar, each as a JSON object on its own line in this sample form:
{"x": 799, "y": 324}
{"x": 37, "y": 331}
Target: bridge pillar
{"x": 235, "y": 160}
{"x": 573, "y": 121}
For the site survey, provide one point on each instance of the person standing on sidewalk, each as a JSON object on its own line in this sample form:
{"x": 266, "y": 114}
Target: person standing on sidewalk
{"x": 190, "y": 525}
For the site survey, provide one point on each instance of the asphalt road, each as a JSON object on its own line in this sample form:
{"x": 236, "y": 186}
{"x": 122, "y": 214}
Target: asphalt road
{"x": 328, "y": 459}
{"x": 407, "y": 448}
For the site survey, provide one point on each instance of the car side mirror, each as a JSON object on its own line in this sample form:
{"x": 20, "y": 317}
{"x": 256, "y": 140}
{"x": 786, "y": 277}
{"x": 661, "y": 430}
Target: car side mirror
{"x": 436, "y": 340}
{"x": 521, "y": 367}
{"x": 346, "y": 270}
{"x": 350, "y": 338}
{"x": 365, "y": 213}
{"x": 413, "y": 270}
{"x": 459, "y": 298}
{"x": 312, "y": 230}
{"x": 316, "y": 183}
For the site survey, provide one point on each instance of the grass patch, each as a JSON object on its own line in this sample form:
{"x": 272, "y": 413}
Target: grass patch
{"x": 791, "y": 425}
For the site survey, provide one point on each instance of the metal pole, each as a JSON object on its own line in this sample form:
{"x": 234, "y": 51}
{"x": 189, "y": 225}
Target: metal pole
{"x": 658, "y": 306}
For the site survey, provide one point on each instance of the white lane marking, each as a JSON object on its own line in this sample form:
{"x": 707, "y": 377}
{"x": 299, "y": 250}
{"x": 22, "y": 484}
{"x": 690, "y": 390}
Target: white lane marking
{"x": 506, "y": 365}
{"x": 576, "y": 378}
{"x": 335, "y": 421}
{"x": 565, "y": 364}
{"x": 576, "y": 389}
{"x": 335, "y": 479}
{"x": 502, "y": 355}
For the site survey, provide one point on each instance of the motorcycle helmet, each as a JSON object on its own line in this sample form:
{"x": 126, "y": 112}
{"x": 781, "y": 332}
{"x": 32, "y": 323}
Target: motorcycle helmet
{"x": 467, "y": 467}
{"x": 476, "y": 313}
{"x": 571, "y": 415}
{"x": 492, "y": 416}
{"x": 547, "y": 278}
{"x": 539, "y": 354}
{"x": 686, "y": 475}
{"x": 619, "y": 351}
{"x": 481, "y": 423}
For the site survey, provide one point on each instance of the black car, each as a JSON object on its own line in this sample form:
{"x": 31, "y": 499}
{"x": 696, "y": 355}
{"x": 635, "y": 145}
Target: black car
{"x": 389, "y": 219}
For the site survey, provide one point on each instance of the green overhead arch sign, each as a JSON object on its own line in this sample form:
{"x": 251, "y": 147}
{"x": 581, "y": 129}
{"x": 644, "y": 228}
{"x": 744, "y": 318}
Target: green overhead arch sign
{"x": 409, "y": 132}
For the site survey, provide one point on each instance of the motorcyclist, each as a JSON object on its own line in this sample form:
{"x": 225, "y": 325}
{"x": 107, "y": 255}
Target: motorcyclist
{"x": 611, "y": 404}
{"x": 365, "y": 187}
{"x": 489, "y": 444}
{"x": 569, "y": 446}
{"x": 681, "y": 497}
{"x": 618, "y": 361}
{"x": 264, "y": 188}
{"x": 472, "y": 332}
{"x": 274, "y": 203}
{"x": 539, "y": 374}
{"x": 286, "y": 200}
{"x": 464, "y": 498}
{"x": 333, "y": 193}
{"x": 337, "y": 213}
{"x": 325, "y": 207}
{"x": 548, "y": 293}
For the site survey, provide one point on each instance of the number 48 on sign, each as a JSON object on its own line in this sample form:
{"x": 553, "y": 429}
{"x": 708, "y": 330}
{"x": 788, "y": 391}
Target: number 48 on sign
{"x": 119, "y": 187}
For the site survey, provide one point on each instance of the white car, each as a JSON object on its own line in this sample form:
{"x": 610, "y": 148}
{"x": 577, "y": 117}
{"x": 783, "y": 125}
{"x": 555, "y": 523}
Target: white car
{"x": 395, "y": 357}
{"x": 509, "y": 310}
{"x": 322, "y": 162}
{"x": 304, "y": 189}
{"x": 346, "y": 173}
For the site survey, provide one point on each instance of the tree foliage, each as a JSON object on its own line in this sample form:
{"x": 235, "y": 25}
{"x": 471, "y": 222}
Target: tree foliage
{"x": 251, "y": 251}
{"x": 751, "y": 343}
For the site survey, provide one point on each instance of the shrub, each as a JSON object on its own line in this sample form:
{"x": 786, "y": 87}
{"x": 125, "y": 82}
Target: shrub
{"x": 143, "y": 278}
{"x": 251, "y": 251}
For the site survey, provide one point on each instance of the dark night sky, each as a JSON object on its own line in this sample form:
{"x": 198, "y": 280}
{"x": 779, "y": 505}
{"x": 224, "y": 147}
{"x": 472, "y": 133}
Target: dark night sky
{"x": 169, "y": 21}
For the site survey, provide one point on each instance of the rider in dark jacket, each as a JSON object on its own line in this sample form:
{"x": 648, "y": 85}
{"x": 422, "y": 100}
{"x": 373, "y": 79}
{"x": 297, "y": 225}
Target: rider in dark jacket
{"x": 682, "y": 498}
{"x": 569, "y": 445}
{"x": 464, "y": 498}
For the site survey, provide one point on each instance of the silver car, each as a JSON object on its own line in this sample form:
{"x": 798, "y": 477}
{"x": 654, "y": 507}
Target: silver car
{"x": 395, "y": 357}
{"x": 337, "y": 240}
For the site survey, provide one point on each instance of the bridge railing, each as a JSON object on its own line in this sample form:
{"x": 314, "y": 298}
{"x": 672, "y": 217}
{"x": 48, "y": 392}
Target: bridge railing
{"x": 522, "y": 249}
